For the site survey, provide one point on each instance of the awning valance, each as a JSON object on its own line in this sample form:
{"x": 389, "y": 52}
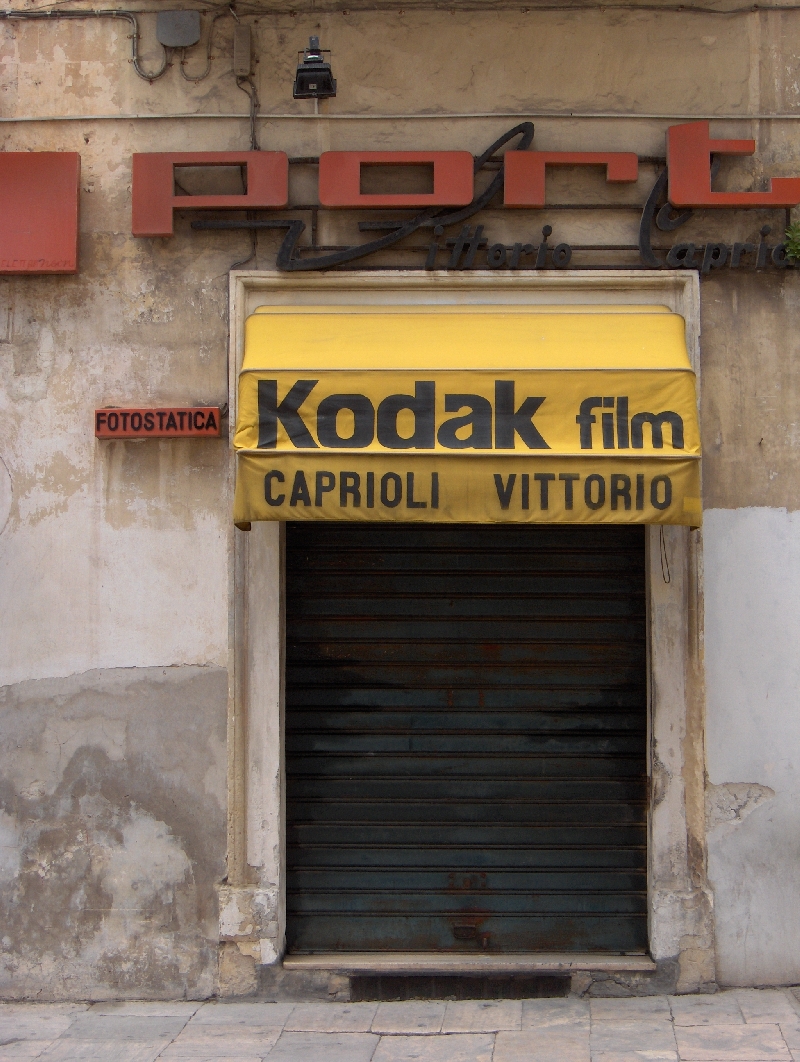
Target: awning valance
{"x": 579, "y": 414}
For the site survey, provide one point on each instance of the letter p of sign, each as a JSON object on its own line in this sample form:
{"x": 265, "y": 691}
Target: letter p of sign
{"x": 154, "y": 197}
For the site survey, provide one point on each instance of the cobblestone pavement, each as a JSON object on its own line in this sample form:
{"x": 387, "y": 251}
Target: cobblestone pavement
{"x": 732, "y": 1026}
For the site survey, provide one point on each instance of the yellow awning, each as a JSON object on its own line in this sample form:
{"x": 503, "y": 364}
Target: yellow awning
{"x": 574, "y": 414}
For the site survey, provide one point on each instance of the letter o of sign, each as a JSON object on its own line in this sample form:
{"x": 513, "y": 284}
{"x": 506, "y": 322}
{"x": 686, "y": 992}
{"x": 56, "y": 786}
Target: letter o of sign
{"x": 562, "y": 255}
{"x": 666, "y": 483}
{"x": 363, "y": 421}
{"x": 496, "y": 256}
{"x": 397, "y": 484}
{"x": 588, "y": 491}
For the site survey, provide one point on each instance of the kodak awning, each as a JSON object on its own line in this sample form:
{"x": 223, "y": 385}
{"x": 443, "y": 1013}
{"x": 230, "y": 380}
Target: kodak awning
{"x": 563, "y": 414}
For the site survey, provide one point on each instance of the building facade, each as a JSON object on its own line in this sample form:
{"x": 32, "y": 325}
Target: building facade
{"x": 264, "y": 716}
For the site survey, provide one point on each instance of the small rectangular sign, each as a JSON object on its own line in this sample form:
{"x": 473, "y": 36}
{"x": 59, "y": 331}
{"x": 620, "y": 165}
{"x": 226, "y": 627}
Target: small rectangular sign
{"x": 171, "y": 422}
{"x": 39, "y": 220}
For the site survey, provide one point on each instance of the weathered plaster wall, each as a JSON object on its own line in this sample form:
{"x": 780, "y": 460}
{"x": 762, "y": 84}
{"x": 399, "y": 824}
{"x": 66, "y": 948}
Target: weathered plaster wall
{"x": 112, "y": 833}
{"x": 114, "y": 558}
{"x": 751, "y": 543}
{"x": 753, "y": 741}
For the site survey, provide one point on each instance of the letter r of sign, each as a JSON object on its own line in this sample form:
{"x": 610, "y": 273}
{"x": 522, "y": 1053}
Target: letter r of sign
{"x": 525, "y": 171}
{"x": 340, "y": 178}
{"x": 689, "y": 151}
{"x": 153, "y": 192}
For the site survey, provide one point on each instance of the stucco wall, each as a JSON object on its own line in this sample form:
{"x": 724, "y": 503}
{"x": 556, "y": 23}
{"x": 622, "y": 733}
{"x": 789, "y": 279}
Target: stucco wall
{"x": 112, "y": 833}
{"x": 751, "y": 542}
{"x": 115, "y": 557}
{"x": 753, "y": 740}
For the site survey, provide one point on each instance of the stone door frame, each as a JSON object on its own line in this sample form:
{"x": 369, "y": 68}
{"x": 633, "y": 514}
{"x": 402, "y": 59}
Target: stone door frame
{"x": 252, "y": 900}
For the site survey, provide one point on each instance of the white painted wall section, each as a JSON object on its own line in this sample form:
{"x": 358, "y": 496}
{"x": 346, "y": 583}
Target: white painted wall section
{"x": 752, "y": 652}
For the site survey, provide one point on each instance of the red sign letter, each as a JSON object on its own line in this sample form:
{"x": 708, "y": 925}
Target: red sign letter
{"x": 525, "y": 171}
{"x": 154, "y": 196}
{"x": 340, "y": 178}
{"x": 689, "y": 150}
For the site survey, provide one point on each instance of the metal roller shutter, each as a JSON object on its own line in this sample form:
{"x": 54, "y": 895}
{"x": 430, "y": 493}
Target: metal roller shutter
{"x": 465, "y": 738}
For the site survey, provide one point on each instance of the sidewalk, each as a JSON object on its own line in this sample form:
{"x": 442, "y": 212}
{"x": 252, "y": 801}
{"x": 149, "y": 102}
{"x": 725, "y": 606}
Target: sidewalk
{"x": 733, "y": 1026}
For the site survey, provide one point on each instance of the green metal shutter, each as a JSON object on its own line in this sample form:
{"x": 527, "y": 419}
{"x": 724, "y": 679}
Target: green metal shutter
{"x": 465, "y": 738}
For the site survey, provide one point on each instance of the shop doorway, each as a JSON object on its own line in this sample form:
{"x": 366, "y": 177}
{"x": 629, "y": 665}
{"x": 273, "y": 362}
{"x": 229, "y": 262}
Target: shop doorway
{"x": 466, "y": 738}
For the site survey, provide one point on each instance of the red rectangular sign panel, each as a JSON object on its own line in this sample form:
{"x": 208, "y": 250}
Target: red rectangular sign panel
{"x": 171, "y": 422}
{"x": 39, "y": 215}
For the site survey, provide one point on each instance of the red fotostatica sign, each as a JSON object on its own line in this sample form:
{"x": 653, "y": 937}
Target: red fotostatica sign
{"x": 173, "y": 422}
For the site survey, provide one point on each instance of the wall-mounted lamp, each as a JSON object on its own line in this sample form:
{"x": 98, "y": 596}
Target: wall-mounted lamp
{"x": 314, "y": 80}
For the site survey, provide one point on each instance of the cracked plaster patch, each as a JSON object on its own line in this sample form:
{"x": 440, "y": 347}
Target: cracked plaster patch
{"x": 729, "y": 804}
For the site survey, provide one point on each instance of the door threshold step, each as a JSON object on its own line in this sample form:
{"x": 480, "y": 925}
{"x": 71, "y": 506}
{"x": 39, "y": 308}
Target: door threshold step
{"x": 398, "y": 962}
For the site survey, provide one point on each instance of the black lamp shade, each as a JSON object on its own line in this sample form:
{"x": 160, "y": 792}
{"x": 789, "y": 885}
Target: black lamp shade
{"x": 314, "y": 80}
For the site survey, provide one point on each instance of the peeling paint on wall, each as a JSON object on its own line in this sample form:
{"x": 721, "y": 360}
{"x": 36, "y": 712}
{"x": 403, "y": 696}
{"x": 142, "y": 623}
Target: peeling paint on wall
{"x": 732, "y": 802}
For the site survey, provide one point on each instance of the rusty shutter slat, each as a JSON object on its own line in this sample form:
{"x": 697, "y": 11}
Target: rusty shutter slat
{"x": 465, "y": 738}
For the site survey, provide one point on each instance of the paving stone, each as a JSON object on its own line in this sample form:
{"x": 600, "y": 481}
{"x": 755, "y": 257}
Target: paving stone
{"x": 722, "y": 1009}
{"x": 223, "y": 1042}
{"x": 644, "y": 1055}
{"x": 33, "y": 1027}
{"x": 457, "y": 1047}
{"x": 125, "y": 1027}
{"x": 553, "y": 1043}
{"x": 166, "y": 1009}
{"x": 8, "y": 1010}
{"x": 322, "y": 1047}
{"x": 271, "y": 1014}
{"x": 626, "y": 1041}
{"x": 643, "y": 1008}
{"x": 22, "y": 1050}
{"x": 100, "y": 1051}
{"x": 418, "y": 1016}
{"x": 766, "y": 1006}
{"x": 212, "y": 1033}
{"x": 168, "y": 1056}
{"x": 539, "y": 1013}
{"x": 790, "y": 1030}
{"x": 331, "y": 1017}
{"x": 734, "y": 1043}
{"x": 477, "y": 1015}
{"x": 709, "y": 1029}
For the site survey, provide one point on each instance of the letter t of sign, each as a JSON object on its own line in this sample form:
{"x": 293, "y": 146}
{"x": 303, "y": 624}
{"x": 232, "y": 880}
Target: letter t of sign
{"x": 689, "y": 151}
